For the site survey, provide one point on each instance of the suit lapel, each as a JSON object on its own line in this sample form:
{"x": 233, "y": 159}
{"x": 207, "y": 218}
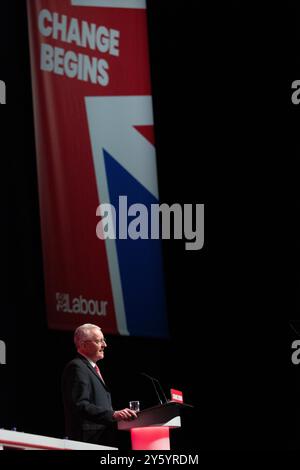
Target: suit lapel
{"x": 87, "y": 363}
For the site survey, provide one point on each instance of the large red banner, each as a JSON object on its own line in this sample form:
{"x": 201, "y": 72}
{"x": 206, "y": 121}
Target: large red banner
{"x": 94, "y": 141}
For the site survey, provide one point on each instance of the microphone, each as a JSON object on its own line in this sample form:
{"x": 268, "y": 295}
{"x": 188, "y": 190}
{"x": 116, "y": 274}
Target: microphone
{"x": 153, "y": 380}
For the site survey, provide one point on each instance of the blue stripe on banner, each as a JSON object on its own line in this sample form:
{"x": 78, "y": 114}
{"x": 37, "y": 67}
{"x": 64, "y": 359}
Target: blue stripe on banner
{"x": 140, "y": 261}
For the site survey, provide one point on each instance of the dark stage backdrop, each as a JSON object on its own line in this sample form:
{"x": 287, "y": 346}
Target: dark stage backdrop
{"x": 221, "y": 88}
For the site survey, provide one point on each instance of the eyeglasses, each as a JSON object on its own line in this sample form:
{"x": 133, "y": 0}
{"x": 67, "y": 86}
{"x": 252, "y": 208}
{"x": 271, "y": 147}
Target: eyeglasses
{"x": 97, "y": 341}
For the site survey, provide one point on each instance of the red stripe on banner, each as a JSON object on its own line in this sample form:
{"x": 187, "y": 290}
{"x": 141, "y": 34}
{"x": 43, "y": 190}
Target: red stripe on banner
{"x": 147, "y": 132}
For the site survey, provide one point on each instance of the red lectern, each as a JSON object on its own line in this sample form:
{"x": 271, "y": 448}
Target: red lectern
{"x": 151, "y": 430}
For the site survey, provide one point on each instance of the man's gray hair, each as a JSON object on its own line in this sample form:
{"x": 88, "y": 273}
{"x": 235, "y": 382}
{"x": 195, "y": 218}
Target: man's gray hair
{"x": 83, "y": 332}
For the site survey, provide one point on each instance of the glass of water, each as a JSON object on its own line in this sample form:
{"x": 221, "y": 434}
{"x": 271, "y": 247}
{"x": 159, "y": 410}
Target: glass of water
{"x": 134, "y": 405}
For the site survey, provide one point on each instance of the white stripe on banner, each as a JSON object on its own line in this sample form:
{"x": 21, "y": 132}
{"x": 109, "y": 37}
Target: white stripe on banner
{"x": 103, "y": 193}
{"x": 111, "y": 3}
{"x": 132, "y": 152}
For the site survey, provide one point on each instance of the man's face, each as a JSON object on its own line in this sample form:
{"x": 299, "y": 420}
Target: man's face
{"x": 94, "y": 346}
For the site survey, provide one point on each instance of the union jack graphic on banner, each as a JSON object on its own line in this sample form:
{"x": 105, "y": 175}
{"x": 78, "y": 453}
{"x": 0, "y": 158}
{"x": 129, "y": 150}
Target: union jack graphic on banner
{"x": 94, "y": 141}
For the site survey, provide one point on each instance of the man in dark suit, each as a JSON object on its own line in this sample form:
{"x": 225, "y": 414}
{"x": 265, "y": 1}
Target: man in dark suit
{"x": 89, "y": 416}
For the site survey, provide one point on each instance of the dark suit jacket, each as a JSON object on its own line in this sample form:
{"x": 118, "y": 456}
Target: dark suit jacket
{"x": 87, "y": 404}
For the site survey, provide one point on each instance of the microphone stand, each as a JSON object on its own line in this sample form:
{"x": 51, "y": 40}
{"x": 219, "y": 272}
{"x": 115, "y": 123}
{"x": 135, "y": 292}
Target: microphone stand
{"x": 153, "y": 380}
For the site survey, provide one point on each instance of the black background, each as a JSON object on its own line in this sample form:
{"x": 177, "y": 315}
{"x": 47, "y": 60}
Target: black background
{"x": 226, "y": 136}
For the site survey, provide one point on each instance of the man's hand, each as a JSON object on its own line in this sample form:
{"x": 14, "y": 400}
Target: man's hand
{"x": 124, "y": 415}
